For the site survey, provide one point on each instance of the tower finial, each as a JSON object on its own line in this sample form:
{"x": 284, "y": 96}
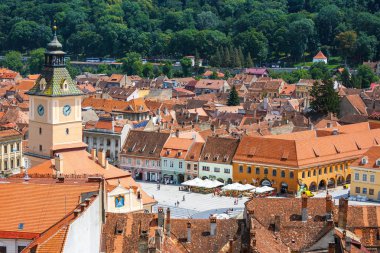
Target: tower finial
{"x": 55, "y": 27}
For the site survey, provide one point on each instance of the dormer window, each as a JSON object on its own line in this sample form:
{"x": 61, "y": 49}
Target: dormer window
{"x": 42, "y": 84}
{"x": 378, "y": 162}
{"x": 64, "y": 84}
{"x": 167, "y": 152}
{"x": 365, "y": 160}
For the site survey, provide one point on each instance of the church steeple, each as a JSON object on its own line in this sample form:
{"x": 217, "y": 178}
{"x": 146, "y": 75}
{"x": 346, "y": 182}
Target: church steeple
{"x": 55, "y": 80}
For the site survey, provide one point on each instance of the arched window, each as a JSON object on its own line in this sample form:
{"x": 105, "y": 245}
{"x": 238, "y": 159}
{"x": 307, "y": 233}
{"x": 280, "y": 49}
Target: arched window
{"x": 303, "y": 174}
{"x": 67, "y": 131}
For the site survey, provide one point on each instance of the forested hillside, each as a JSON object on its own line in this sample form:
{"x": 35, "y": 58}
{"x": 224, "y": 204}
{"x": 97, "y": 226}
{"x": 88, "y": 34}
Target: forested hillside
{"x": 267, "y": 30}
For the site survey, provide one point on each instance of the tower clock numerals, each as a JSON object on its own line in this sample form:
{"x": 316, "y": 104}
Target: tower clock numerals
{"x": 66, "y": 110}
{"x": 40, "y": 110}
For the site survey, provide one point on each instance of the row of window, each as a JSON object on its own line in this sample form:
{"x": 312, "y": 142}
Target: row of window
{"x": 101, "y": 141}
{"x": 266, "y": 171}
{"x": 364, "y": 177}
{"x": 364, "y": 191}
{"x": 324, "y": 171}
{"x": 217, "y": 170}
{"x": 147, "y": 162}
{"x": 14, "y": 147}
{"x": 12, "y": 164}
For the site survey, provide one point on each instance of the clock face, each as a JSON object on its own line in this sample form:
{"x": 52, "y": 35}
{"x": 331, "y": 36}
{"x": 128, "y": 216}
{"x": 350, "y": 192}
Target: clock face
{"x": 40, "y": 110}
{"x": 66, "y": 110}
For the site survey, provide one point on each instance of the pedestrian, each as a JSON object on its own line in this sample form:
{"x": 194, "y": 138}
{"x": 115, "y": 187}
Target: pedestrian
{"x": 183, "y": 199}
{"x": 177, "y": 203}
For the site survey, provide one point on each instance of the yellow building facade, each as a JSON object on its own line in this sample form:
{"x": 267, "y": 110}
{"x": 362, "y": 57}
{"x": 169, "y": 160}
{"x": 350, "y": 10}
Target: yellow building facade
{"x": 366, "y": 175}
{"x": 289, "y": 179}
{"x": 311, "y": 159}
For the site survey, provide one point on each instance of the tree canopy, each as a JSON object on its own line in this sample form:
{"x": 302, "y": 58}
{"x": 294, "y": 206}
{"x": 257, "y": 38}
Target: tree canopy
{"x": 325, "y": 98}
{"x": 259, "y": 30}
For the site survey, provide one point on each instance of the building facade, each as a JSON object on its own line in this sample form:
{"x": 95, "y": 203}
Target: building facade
{"x": 173, "y": 156}
{"x": 366, "y": 175}
{"x": 106, "y": 135}
{"x": 11, "y": 158}
{"x": 140, "y": 154}
{"x": 192, "y": 161}
{"x": 309, "y": 159}
{"x": 216, "y": 159}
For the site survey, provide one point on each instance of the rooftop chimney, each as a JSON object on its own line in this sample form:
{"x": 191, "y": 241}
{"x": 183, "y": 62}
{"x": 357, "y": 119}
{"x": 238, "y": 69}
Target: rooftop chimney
{"x": 189, "y": 232}
{"x": 102, "y": 158}
{"x": 93, "y": 154}
{"x": 252, "y": 241}
{"x": 331, "y": 248}
{"x": 335, "y": 132}
{"x": 329, "y": 205}
{"x": 231, "y": 244}
{"x": 304, "y": 206}
{"x": 212, "y": 225}
{"x": 161, "y": 217}
{"x": 277, "y": 223}
{"x": 167, "y": 227}
{"x": 58, "y": 159}
{"x": 106, "y": 165}
{"x": 342, "y": 214}
{"x": 177, "y": 133}
{"x": 347, "y": 242}
{"x": 158, "y": 239}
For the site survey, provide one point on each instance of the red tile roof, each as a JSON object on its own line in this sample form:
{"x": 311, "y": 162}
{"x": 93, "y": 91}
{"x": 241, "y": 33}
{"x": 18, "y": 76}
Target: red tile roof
{"x": 320, "y": 55}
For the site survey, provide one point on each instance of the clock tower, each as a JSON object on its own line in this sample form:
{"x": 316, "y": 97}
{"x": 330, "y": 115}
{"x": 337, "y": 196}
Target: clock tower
{"x": 55, "y": 121}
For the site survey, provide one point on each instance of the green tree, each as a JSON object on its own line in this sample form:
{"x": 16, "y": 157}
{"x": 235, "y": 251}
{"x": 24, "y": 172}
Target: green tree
{"x": 26, "y": 35}
{"x": 167, "y": 69}
{"x": 186, "y": 66}
{"x": 365, "y": 47}
{"x": 325, "y": 98}
{"x": 300, "y": 34}
{"x": 13, "y": 61}
{"x": 249, "y": 62}
{"x": 137, "y": 68}
{"x": 347, "y": 43}
{"x": 319, "y": 71}
{"x": 148, "y": 70}
{"x": 129, "y": 62}
{"x": 253, "y": 42}
{"x": 366, "y": 76}
{"x": 345, "y": 77}
{"x": 233, "y": 97}
{"x": 328, "y": 19}
{"x": 36, "y": 60}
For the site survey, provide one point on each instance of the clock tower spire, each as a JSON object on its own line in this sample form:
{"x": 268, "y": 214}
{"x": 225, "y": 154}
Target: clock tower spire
{"x": 55, "y": 120}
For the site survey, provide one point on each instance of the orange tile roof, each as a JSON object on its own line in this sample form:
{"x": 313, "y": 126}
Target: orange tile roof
{"x": 357, "y": 102}
{"x": 209, "y": 73}
{"x": 25, "y": 84}
{"x": 302, "y": 153}
{"x": 9, "y": 132}
{"x": 372, "y": 155}
{"x": 47, "y": 202}
{"x": 115, "y": 78}
{"x": 209, "y": 84}
{"x": 109, "y": 105}
{"x": 34, "y": 77}
{"x": 320, "y": 55}
{"x": 176, "y": 147}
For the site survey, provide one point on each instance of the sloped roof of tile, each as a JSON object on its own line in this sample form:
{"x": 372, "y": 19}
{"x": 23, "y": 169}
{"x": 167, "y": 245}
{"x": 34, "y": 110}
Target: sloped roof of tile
{"x": 15, "y": 115}
{"x": 219, "y": 150}
{"x": 53, "y": 78}
{"x": 357, "y": 102}
{"x": 47, "y": 202}
{"x": 25, "y": 84}
{"x": 256, "y": 71}
{"x": 144, "y": 144}
{"x": 314, "y": 151}
{"x": 372, "y": 155}
{"x": 288, "y": 89}
{"x": 9, "y": 132}
{"x": 209, "y": 73}
{"x": 209, "y": 84}
{"x": 297, "y": 235}
{"x": 320, "y": 55}
{"x": 195, "y": 152}
{"x": 109, "y": 105}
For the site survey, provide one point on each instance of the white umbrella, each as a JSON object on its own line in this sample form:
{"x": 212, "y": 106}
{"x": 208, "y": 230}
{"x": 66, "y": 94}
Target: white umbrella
{"x": 263, "y": 189}
{"x": 238, "y": 187}
{"x": 207, "y": 183}
{"x": 193, "y": 182}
